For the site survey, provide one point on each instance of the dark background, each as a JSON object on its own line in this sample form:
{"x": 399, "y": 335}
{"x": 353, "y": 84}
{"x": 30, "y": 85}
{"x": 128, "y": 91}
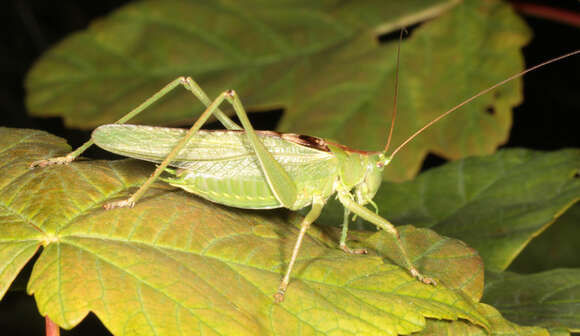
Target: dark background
{"x": 548, "y": 119}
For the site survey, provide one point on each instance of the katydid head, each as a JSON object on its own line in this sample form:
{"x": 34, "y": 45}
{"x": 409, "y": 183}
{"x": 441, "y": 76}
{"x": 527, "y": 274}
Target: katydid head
{"x": 360, "y": 172}
{"x": 373, "y": 177}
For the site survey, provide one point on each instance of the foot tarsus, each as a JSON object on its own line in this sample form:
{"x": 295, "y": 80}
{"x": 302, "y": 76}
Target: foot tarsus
{"x": 426, "y": 280}
{"x": 127, "y": 203}
{"x": 52, "y": 161}
{"x": 348, "y": 250}
{"x": 279, "y": 296}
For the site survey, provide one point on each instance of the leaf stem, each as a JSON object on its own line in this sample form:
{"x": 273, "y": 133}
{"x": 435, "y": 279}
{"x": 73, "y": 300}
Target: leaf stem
{"x": 51, "y": 328}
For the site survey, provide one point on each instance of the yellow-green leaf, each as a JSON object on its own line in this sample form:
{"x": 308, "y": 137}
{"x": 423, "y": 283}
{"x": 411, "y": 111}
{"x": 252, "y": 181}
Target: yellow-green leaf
{"x": 448, "y": 260}
{"x": 178, "y": 264}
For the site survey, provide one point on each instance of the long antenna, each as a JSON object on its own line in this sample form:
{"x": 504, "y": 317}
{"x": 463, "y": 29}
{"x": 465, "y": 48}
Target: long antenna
{"x": 396, "y": 93}
{"x": 481, "y": 93}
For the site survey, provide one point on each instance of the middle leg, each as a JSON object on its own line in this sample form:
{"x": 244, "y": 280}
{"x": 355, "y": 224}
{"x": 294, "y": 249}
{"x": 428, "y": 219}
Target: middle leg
{"x": 343, "y": 236}
{"x": 317, "y": 205}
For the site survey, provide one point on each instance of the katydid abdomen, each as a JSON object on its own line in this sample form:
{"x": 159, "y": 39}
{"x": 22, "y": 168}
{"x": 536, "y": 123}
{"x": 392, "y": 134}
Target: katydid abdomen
{"x": 221, "y": 165}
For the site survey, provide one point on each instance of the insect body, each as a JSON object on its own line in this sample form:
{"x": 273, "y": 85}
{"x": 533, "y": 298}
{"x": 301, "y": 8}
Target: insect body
{"x": 223, "y": 167}
{"x": 257, "y": 169}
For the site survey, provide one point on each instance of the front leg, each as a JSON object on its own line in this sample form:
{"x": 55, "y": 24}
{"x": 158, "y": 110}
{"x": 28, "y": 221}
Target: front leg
{"x": 346, "y": 200}
{"x": 317, "y": 205}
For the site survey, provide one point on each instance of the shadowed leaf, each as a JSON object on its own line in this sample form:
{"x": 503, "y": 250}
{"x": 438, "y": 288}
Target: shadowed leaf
{"x": 350, "y": 97}
{"x": 549, "y": 299}
{"x": 557, "y": 247}
{"x": 500, "y": 326}
{"x": 315, "y": 59}
{"x": 496, "y": 204}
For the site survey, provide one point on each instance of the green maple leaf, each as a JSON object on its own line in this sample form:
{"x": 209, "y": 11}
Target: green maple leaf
{"x": 177, "y": 263}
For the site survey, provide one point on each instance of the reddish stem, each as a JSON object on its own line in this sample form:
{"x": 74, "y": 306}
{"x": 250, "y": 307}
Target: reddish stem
{"x": 52, "y": 328}
{"x": 547, "y": 12}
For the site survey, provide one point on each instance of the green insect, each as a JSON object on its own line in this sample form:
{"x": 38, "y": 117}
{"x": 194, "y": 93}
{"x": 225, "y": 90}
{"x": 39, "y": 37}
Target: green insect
{"x": 249, "y": 169}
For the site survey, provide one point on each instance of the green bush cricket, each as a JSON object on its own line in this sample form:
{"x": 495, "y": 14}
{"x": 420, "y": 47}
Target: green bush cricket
{"x": 244, "y": 168}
